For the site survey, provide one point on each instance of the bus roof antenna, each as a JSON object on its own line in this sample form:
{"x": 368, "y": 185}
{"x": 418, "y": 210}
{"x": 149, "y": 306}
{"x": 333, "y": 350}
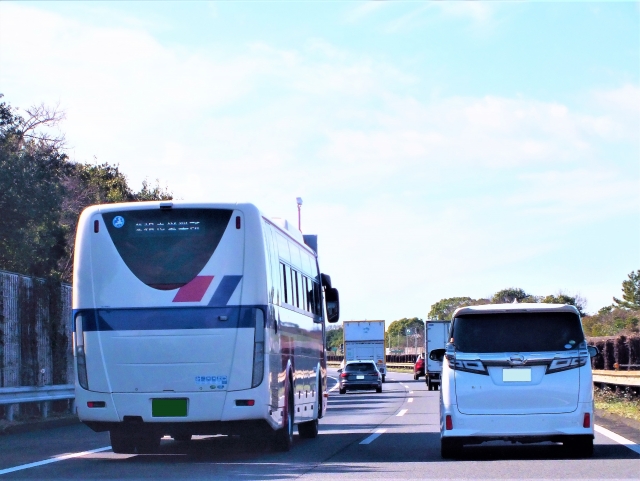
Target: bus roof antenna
{"x": 299, "y": 201}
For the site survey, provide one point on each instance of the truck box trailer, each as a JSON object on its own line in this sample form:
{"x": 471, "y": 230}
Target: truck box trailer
{"x": 364, "y": 341}
{"x": 436, "y": 336}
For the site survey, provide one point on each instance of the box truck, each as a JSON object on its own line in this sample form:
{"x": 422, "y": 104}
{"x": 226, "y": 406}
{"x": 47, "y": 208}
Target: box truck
{"x": 436, "y": 336}
{"x": 363, "y": 341}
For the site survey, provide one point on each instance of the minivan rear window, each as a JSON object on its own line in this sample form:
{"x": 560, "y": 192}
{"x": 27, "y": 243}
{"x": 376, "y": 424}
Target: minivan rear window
{"x": 517, "y": 332}
{"x": 166, "y": 249}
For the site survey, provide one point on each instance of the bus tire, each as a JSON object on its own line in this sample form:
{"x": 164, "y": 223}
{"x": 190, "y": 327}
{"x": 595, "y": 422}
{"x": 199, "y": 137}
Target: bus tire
{"x": 122, "y": 442}
{"x": 309, "y": 429}
{"x": 283, "y": 437}
{"x": 148, "y": 443}
{"x": 320, "y": 400}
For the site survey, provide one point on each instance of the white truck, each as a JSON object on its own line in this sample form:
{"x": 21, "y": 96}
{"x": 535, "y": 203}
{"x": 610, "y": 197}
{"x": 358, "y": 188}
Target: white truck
{"x": 436, "y": 336}
{"x": 364, "y": 341}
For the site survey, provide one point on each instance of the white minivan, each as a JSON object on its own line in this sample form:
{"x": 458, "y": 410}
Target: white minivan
{"x": 516, "y": 372}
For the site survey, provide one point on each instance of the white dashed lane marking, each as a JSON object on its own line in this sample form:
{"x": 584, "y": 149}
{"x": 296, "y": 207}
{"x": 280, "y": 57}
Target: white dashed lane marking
{"x": 410, "y": 400}
{"x": 373, "y": 437}
{"x": 402, "y": 413}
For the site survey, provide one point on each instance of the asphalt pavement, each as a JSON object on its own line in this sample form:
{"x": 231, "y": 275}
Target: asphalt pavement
{"x": 364, "y": 435}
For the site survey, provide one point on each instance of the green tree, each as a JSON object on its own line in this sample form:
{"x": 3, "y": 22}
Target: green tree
{"x": 507, "y": 296}
{"x": 561, "y": 298}
{"x": 630, "y": 292}
{"x": 334, "y": 338}
{"x": 42, "y": 193}
{"x": 444, "y": 308}
{"x": 397, "y": 330}
{"x": 31, "y": 169}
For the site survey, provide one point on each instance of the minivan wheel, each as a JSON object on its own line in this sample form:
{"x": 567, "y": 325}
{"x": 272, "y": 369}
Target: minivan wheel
{"x": 449, "y": 448}
{"x": 579, "y": 446}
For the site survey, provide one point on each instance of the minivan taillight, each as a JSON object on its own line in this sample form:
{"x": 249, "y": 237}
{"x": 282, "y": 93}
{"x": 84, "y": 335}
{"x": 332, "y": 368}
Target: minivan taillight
{"x": 566, "y": 363}
{"x": 475, "y": 366}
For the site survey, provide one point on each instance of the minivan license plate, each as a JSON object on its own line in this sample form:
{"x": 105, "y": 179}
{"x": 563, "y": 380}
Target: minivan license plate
{"x": 516, "y": 375}
{"x": 359, "y": 377}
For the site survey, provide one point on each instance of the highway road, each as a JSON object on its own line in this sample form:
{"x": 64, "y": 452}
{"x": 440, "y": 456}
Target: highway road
{"x": 393, "y": 435}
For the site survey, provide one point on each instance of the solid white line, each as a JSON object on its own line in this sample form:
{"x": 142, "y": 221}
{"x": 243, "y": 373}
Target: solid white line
{"x": 373, "y": 437}
{"x": 410, "y": 400}
{"x": 337, "y": 384}
{"x": 617, "y": 438}
{"x": 402, "y": 413}
{"x": 55, "y": 459}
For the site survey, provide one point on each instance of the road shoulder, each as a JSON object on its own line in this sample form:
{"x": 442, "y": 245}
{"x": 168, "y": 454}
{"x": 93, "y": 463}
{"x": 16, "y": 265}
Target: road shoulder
{"x": 16, "y": 427}
{"x": 627, "y": 428}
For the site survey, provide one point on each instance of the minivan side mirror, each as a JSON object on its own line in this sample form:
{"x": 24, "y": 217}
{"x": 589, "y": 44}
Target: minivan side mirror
{"x": 437, "y": 355}
{"x": 593, "y": 351}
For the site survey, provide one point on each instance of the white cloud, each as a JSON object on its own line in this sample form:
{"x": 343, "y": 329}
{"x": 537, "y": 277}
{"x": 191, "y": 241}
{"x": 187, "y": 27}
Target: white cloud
{"x": 409, "y": 195}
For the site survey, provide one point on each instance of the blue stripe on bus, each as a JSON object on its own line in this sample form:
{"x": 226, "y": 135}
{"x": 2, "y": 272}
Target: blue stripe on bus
{"x": 167, "y": 318}
{"x": 225, "y": 290}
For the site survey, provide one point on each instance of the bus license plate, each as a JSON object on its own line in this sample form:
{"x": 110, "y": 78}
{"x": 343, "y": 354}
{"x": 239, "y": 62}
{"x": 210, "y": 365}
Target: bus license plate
{"x": 165, "y": 408}
{"x": 516, "y": 375}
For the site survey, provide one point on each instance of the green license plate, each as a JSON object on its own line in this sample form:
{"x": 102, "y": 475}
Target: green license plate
{"x": 165, "y": 408}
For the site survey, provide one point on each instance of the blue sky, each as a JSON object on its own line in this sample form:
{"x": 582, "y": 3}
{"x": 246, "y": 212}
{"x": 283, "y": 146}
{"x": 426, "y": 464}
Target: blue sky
{"x": 441, "y": 149}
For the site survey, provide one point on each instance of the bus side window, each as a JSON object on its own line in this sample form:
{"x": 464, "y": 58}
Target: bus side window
{"x": 318, "y": 298}
{"x": 294, "y": 285}
{"x": 303, "y": 291}
{"x": 309, "y": 292}
{"x": 283, "y": 284}
{"x": 291, "y": 290}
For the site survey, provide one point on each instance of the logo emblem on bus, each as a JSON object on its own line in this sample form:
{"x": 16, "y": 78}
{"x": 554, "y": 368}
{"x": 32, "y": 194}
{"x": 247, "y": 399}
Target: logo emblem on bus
{"x": 118, "y": 221}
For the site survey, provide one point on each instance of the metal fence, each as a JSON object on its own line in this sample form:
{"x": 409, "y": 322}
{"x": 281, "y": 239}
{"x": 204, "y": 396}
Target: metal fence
{"x": 31, "y": 354}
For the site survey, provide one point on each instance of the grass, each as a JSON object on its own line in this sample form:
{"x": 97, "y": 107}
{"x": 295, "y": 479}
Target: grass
{"x": 625, "y": 403}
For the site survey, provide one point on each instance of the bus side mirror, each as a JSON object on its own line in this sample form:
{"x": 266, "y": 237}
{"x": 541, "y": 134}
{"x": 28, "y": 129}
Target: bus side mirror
{"x": 437, "y": 355}
{"x": 333, "y": 304}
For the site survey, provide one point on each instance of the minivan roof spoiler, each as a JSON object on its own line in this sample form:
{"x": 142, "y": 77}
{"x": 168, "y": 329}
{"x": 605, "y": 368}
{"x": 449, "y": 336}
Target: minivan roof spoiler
{"x": 524, "y": 307}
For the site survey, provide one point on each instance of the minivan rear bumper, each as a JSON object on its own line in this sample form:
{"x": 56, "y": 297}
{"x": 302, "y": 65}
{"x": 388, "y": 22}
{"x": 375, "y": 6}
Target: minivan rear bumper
{"x": 516, "y": 427}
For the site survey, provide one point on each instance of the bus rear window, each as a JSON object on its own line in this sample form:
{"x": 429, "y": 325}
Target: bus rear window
{"x": 166, "y": 249}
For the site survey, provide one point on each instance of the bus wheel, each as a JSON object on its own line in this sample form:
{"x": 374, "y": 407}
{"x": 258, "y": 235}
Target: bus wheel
{"x": 148, "y": 443}
{"x": 308, "y": 429}
{"x": 283, "y": 437}
{"x": 122, "y": 442}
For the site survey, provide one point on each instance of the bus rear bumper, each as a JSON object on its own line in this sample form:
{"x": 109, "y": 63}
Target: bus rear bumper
{"x": 201, "y": 407}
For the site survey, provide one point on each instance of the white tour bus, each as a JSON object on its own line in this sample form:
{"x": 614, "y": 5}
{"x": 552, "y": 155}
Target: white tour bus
{"x": 198, "y": 319}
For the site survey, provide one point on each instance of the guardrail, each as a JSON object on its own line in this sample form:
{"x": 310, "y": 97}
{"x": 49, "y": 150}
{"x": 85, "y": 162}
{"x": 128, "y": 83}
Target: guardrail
{"x": 13, "y": 396}
{"x": 617, "y": 378}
